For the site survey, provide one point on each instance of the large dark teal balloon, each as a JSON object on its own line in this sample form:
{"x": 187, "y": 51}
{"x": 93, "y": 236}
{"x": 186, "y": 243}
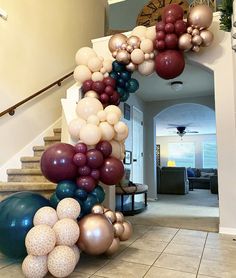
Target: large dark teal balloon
{"x": 116, "y": 66}
{"x": 16, "y": 219}
{"x": 89, "y": 203}
{"x": 132, "y": 85}
{"x": 54, "y": 200}
{"x": 99, "y": 193}
{"x": 66, "y": 189}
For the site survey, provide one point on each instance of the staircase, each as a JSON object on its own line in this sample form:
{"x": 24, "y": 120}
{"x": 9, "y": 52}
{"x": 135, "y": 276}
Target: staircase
{"x": 30, "y": 177}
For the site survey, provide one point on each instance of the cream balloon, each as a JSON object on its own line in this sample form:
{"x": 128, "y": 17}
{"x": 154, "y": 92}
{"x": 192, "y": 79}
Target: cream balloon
{"x": 116, "y": 149}
{"x": 151, "y": 33}
{"x": 146, "y": 46}
{"x": 116, "y": 41}
{"x": 107, "y": 131}
{"x": 94, "y": 64}
{"x": 93, "y": 119}
{"x": 112, "y": 118}
{"x": 200, "y": 17}
{"x": 102, "y": 115}
{"x": 91, "y": 94}
{"x": 107, "y": 64}
{"x": 103, "y": 70}
{"x": 83, "y": 55}
{"x": 120, "y": 127}
{"x": 97, "y": 76}
{"x": 207, "y": 37}
{"x": 88, "y": 106}
{"x": 113, "y": 109}
{"x": 139, "y": 31}
{"x": 121, "y": 136}
{"x": 34, "y": 266}
{"x": 90, "y": 134}
{"x": 147, "y": 67}
{"x": 137, "y": 56}
{"x": 185, "y": 42}
{"x": 74, "y": 128}
{"x": 82, "y": 73}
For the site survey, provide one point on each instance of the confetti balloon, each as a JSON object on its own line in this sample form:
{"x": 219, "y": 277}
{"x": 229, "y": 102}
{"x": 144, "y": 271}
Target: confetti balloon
{"x": 35, "y": 266}
{"x": 68, "y": 208}
{"x": 45, "y": 215}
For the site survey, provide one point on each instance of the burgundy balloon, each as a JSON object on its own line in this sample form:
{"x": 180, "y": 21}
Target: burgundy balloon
{"x": 104, "y": 98}
{"x": 160, "y": 35}
{"x": 109, "y": 90}
{"x": 57, "y": 162}
{"x": 98, "y": 86}
{"x": 94, "y": 158}
{"x": 170, "y": 19}
{"x": 160, "y": 45}
{"x": 79, "y": 159}
{"x": 87, "y": 86}
{"x": 115, "y": 98}
{"x": 160, "y": 26}
{"x": 95, "y": 174}
{"x": 111, "y": 171}
{"x": 81, "y": 148}
{"x": 171, "y": 41}
{"x": 84, "y": 171}
{"x": 173, "y": 10}
{"x": 169, "y": 28}
{"x": 104, "y": 147}
{"x": 109, "y": 81}
{"x": 169, "y": 64}
{"x": 180, "y": 27}
{"x": 86, "y": 182}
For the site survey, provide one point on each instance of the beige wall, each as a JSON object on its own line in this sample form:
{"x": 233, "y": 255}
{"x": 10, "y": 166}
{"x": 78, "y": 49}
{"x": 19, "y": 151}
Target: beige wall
{"x": 38, "y": 44}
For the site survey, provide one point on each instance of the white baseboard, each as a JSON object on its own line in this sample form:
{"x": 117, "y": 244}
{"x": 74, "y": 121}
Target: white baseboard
{"x": 14, "y": 162}
{"x": 227, "y": 231}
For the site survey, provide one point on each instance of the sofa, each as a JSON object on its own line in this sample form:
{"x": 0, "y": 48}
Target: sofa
{"x": 203, "y": 178}
{"x": 172, "y": 180}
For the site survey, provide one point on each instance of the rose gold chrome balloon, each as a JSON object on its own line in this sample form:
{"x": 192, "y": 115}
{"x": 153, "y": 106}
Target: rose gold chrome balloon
{"x": 119, "y": 229}
{"x": 189, "y": 30}
{"x": 185, "y": 42}
{"x": 195, "y": 32}
{"x": 119, "y": 217}
{"x": 131, "y": 66}
{"x": 207, "y": 37}
{"x": 196, "y": 48}
{"x": 128, "y": 230}
{"x": 134, "y": 41}
{"x": 200, "y": 17}
{"x": 113, "y": 247}
{"x": 110, "y": 215}
{"x": 197, "y": 40}
{"x": 123, "y": 56}
{"x": 114, "y": 53}
{"x": 129, "y": 48}
{"x": 97, "y": 209}
{"x": 116, "y": 42}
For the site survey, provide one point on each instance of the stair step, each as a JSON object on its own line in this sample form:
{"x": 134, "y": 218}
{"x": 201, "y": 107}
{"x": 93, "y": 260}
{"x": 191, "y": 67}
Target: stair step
{"x": 43, "y": 188}
{"x": 25, "y": 175}
{"x": 30, "y": 162}
{"x": 49, "y": 140}
{"x": 57, "y": 131}
{"x": 38, "y": 150}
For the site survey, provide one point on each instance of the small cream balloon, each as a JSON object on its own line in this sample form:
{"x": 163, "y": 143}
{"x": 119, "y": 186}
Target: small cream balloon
{"x": 107, "y": 131}
{"x": 113, "y": 109}
{"x": 74, "y": 128}
{"x": 112, "y": 118}
{"x": 107, "y": 64}
{"x": 83, "y": 55}
{"x": 97, "y": 76}
{"x": 120, "y": 127}
{"x": 102, "y": 115}
{"x": 93, "y": 119}
{"x": 94, "y": 64}
{"x": 91, "y": 93}
{"x": 139, "y": 31}
{"x": 137, "y": 56}
{"x": 151, "y": 33}
{"x": 146, "y": 46}
{"x": 82, "y": 73}
{"x": 147, "y": 67}
{"x": 116, "y": 149}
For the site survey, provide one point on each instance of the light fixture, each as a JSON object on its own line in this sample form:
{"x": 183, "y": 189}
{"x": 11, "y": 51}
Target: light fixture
{"x": 176, "y": 85}
{"x": 171, "y": 163}
{"x": 110, "y": 2}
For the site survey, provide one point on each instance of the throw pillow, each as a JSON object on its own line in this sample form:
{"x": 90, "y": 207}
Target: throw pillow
{"x": 198, "y": 173}
{"x": 190, "y": 172}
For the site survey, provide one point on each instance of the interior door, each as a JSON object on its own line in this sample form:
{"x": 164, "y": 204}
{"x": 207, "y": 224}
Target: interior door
{"x": 137, "y": 156}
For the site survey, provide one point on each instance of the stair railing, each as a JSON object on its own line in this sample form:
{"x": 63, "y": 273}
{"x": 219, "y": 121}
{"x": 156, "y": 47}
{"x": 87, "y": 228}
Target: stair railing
{"x": 11, "y": 110}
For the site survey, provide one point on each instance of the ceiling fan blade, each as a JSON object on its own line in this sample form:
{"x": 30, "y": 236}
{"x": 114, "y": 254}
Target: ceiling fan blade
{"x": 192, "y": 131}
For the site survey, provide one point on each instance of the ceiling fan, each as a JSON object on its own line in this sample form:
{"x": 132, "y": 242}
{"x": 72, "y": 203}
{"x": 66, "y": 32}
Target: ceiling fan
{"x": 181, "y": 129}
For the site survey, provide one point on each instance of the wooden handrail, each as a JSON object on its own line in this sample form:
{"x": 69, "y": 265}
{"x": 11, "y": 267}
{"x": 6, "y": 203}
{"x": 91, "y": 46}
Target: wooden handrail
{"x": 11, "y": 110}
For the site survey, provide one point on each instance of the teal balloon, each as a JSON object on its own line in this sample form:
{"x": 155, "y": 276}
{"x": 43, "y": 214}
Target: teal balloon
{"x": 121, "y": 82}
{"x": 132, "y": 85}
{"x": 116, "y": 66}
{"x": 66, "y": 189}
{"x": 81, "y": 194}
{"x": 16, "y": 219}
{"x": 99, "y": 193}
{"x": 125, "y": 75}
{"x": 54, "y": 200}
{"x": 124, "y": 97}
{"x": 114, "y": 75}
{"x": 120, "y": 91}
{"x": 89, "y": 203}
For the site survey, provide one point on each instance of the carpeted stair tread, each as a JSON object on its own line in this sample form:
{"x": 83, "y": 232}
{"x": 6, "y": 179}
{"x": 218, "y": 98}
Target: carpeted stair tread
{"x": 24, "y": 186}
{"x": 39, "y": 148}
{"x": 24, "y": 172}
{"x": 30, "y": 159}
{"x": 57, "y": 130}
{"x": 52, "y": 138}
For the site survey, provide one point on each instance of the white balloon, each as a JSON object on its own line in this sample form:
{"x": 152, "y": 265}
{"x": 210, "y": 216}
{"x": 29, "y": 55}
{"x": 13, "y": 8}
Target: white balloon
{"x": 107, "y": 64}
{"x": 137, "y": 56}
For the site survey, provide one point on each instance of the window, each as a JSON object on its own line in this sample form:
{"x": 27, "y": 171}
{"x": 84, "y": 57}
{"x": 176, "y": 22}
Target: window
{"x": 182, "y": 153}
{"x": 209, "y": 155}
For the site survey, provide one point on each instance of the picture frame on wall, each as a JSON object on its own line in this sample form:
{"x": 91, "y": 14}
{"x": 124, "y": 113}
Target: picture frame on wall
{"x": 158, "y": 155}
{"x": 128, "y": 157}
{"x": 126, "y": 111}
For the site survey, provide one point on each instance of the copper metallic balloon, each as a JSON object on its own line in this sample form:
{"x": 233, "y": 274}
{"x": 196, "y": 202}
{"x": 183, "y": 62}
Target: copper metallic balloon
{"x": 129, "y": 48}
{"x": 128, "y": 230}
{"x": 97, "y": 209}
{"x": 96, "y": 234}
{"x": 131, "y": 67}
{"x": 123, "y": 56}
{"x": 105, "y": 210}
{"x": 207, "y": 37}
{"x": 196, "y": 40}
{"x": 134, "y": 41}
{"x": 200, "y": 17}
{"x": 91, "y": 94}
{"x": 195, "y": 32}
{"x": 196, "y": 48}
{"x": 124, "y": 45}
{"x": 114, "y": 53}
{"x": 185, "y": 42}
{"x": 119, "y": 217}
{"x": 119, "y": 229}
{"x": 189, "y": 30}
{"x": 110, "y": 215}
{"x": 116, "y": 42}
{"x": 114, "y": 247}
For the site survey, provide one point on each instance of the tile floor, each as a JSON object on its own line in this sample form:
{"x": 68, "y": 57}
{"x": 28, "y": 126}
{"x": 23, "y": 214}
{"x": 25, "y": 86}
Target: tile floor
{"x": 156, "y": 252}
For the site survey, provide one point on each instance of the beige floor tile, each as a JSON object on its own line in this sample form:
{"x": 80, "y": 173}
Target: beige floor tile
{"x": 184, "y": 250}
{"x": 77, "y": 274}
{"x": 165, "y": 230}
{"x": 135, "y": 255}
{"x": 192, "y": 233}
{"x": 154, "y": 235}
{"x": 11, "y": 271}
{"x": 221, "y": 244}
{"x": 150, "y": 245}
{"x": 189, "y": 240}
{"x": 123, "y": 269}
{"x": 204, "y": 276}
{"x": 156, "y": 272}
{"x": 216, "y": 269}
{"x": 90, "y": 264}
{"x": 95, "y": 276}
{"x": 141, "y": 229}
{"x": 220, "y": 255}
{"x": 216, "y": 236}
{"x": 180, "y": 263}
{"x": 4, "y": 261}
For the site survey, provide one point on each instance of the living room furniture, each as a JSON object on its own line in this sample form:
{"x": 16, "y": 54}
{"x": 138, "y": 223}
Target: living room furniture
{"x": 201, "y": 177}
{"x": 172, "y": 180}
